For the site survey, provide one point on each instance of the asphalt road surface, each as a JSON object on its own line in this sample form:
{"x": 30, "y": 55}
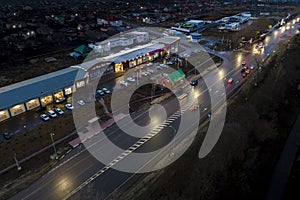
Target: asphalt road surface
{"x": 79, "y": 168}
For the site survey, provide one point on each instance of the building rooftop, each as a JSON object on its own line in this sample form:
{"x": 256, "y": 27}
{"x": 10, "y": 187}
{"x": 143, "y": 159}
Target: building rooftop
{"x": 36, "y": 87}
{"x": 167, "y": 40}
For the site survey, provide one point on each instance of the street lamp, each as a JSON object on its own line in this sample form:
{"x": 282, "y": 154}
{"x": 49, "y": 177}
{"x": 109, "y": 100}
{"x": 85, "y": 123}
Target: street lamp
{"x": 17, "y": 162}
{"x": 173, "y": 143}
{"x": 55, "y": 153}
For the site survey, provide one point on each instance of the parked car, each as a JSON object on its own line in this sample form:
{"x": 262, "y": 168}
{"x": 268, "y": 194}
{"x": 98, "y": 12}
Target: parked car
{"x": 7, "y": 135}
{"x": 52, "y": 114}
{"x": 171, "y": 63}
{"x": 230, "y": 81}
{"x": 130, "y": 79}
{"x": 44, "y": 117}
{"x": 100, "y": 92}
{"x": 244, "y": 63}
{"x": 247, "y": 71}
{"x": 106, "y": 91}
{"x": 244, "y": 74}
{"x": 243, "y": 70}
{"x": 151, "y": 71}
{"x": 59, "y": 111}
{"x": 81, "y": 102}
{"x": 69, "y": 106}
{"x": 252, "y": 67}
{"x": 194, "y": 82}
{"x": 124, "y": 83}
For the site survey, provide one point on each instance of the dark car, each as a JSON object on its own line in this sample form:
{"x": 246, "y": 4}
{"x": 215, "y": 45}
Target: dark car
{"x": 7, "y": 136}
{"x": 243, "y": 70}
{"x": 194, "y": 82}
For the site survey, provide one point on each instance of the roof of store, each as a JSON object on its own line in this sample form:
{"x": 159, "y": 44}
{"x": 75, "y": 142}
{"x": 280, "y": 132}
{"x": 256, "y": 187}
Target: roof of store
{"x": 167, "y": 40}
{"x": 176, "y": 76}
{"x": 36, "y": 87}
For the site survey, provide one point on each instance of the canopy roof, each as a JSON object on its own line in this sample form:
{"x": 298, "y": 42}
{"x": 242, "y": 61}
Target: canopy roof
{"x": 82, "y": 49}
{"x": 176, "y": 76}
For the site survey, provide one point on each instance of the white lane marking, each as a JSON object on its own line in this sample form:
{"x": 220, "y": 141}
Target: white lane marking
{"x": 116, "y": 160}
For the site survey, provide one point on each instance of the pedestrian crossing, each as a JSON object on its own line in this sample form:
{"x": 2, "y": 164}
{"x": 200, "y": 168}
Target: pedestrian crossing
{"x": 139, "y": 143}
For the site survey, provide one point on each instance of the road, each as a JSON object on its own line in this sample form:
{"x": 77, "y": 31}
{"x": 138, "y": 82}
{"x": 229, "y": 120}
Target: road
{"x": 79, "y": 168}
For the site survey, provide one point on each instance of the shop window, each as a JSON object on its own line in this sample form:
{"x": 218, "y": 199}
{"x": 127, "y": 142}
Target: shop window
{"x": 46, "y": 100}
{"x": 80, "y": 84}
{"x": 34, "y": 103}
{"x": 133, "y": 63}
{"x": 18, "y": 109}
{"x": 59, "y": 97}
{"x": 144, "y": 59}
{"x": 68, "y": 91}
{"x": 118, "y": 67}
{"x": 140, "y": 61}
{"x": 156, "y": 55}
{"x": 4, "y": 114}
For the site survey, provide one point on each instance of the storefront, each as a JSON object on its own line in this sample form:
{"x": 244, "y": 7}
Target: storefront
{"x": 46, "y": 100}
{"x": 17, "y": 109}
{"x": 80, "y": 84}
{"x": 59, "y": 96}
{"x": 68, "y": 91}
{"x": 132, "y": 63}
{"x": 119, "y": 67}
{"x": 4, "y": 114}
{"x": 145, "y": 59}
{"x": 150, "y": 57}
{"x": 34, "y": 103}
{"x": 140, "y": 61}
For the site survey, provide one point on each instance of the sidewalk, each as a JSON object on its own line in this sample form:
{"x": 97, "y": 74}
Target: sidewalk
{"x": 38, "y": 152}
{"x": 282, "y": 170}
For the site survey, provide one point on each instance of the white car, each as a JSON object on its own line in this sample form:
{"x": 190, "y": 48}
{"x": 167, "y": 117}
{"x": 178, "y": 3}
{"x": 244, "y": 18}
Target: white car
{"x": 81, "y": 102}
{"x": 149, "y": 64}
{"x": 100, "y": 92}
{"x": 58, "y": 111}
{"x": 106, "y": 91}
{"x": 163, "y": 65}
{"x": 44, "y": 117}
{"x": 69, "y": 106}
{"x": 151, "y": 71}
{"x": 52, "y": 114}
{"x": 130, "y": 79}
{"x": 124, "y": 83}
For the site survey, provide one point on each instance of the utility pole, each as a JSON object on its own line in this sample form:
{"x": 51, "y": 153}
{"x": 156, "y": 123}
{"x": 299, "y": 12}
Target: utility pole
{"x": 55, "y": 153}
{"x": 17, "y": 162}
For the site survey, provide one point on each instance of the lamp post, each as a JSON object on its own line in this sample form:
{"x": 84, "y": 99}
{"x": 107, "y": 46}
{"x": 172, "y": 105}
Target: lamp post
{"x": 55, "y": 153}
{"x": 173, "y": 143}
{"x": 17, "y": 162}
